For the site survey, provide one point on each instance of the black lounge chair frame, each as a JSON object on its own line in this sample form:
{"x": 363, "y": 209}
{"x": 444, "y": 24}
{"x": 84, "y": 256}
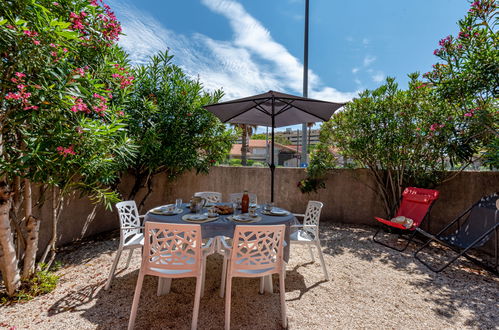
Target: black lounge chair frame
{"x": 462, "y": 251}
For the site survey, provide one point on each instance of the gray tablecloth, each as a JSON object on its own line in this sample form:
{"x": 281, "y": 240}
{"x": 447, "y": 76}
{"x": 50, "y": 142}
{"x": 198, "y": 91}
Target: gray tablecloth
{"x": 224, "y": 227}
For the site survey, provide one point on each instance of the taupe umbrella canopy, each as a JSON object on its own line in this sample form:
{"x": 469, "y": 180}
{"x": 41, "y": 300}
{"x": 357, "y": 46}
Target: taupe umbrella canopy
{"x": 273, "y": 109}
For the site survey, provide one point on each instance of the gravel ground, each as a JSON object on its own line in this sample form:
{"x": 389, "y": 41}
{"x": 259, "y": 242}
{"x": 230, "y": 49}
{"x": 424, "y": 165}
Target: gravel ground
{"x": 371, "y": 287}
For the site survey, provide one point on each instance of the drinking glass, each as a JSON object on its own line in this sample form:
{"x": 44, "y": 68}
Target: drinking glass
{"x": 268, "y": 207}
{"x": 178, "y": 203}
{"x": 235, "y": 207}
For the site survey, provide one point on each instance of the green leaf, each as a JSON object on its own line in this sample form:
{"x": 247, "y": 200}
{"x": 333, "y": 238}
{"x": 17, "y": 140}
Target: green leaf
{"x": 2, "y": 22}
{"x": 67, "y": 34}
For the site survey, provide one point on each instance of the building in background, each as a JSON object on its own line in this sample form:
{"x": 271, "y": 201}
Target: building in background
{"x": 259, "y": 151}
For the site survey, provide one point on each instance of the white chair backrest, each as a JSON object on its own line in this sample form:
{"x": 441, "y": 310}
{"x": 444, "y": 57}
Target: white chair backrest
{"x": 257, "y": 248}
{"x": 236, "y": 198}
{"x": 173, "y": 247}
{"x": 210, "y": 196}
{"x": 129, "y": 217}
{"x": 312, "y": 217}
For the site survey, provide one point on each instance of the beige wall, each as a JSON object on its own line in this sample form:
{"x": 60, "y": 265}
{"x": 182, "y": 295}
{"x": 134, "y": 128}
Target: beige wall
{"x": 346, "y": 199}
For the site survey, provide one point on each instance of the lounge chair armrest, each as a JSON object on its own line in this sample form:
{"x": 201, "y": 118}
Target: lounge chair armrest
{"x": 299, "y": 215}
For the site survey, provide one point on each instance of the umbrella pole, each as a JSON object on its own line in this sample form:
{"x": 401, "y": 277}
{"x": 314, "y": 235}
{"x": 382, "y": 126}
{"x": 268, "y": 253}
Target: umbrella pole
{"x": 272, "y": 165}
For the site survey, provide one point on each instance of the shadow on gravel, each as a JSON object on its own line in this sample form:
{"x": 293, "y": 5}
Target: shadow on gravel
{"x": 111, "y": 309}
{"x": 463, "y": 284}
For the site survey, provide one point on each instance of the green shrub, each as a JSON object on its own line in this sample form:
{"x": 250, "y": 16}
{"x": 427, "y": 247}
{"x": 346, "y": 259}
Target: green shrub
{"x": 42, "y": 282}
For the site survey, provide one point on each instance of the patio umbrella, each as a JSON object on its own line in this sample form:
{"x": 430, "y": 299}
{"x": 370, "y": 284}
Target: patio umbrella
{"x": 273, "y": 109}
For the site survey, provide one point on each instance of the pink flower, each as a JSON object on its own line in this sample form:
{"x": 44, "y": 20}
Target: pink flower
{"x": 93, "y": 3}
{"x": 14, "y": 80}
{"x": 53, "y": 45}
{"x": 80, "y": 106}
{"x": 65, "y": 151}
{"x": 36, "y": 42}
{"x": 53, "y": 54}
{"x": 34, "y": 107}
{"x": 65, "y": 50}
{"x": 468, "y": 114}
{"x": 80, "y": 71}
{"x": 433, "y": 127}
{"x": 121, "y": 113}
{"x": 55, "y": 3}
{"x": 20, "y": 75}
{"x": 73, "y": 15}
{"x": 12, "y": 96}
{"x": 21, "y": 86}
{"x": 10, "y": 27}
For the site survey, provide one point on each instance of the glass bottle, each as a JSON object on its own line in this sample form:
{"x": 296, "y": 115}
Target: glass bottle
{"x": 245, "y": 202}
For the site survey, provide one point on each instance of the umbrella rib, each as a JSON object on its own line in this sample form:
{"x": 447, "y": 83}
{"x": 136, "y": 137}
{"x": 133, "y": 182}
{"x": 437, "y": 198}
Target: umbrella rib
{"x": 322, "y": 119}
{"x": 287, "y": 107}
{"x": 246, "y": 110}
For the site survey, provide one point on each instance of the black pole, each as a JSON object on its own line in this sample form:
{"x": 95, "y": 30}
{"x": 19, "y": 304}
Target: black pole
{"x": 272, "y": 165}
{"x": 305, "y": 85}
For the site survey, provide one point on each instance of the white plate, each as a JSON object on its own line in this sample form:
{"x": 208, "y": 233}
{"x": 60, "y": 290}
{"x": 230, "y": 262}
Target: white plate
{"x": 163, "y": 210}
{"x": 277, "y": 212}
{"x": 244, "y": 218}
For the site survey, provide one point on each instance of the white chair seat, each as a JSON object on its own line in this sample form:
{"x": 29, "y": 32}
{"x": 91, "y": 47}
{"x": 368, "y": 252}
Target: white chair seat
{"x": 171, "y": 271}
{"x": 308, "y": 234}
{"x": 135, "y": 240}
{"x": 301, "y": 236}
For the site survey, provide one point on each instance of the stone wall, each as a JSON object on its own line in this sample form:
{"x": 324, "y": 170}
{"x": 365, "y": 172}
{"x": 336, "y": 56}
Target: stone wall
{"x": 347, "y": 198}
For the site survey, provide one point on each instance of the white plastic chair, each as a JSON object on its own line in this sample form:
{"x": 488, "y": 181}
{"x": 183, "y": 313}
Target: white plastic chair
{"x": 210, "y": 196}
{"x": 131, "y": 236}
{"x": 256, "y": 251}
{"x": 308, "y": 232}
{"x": 236, "y": 198}
{"x": 172, "y": 251}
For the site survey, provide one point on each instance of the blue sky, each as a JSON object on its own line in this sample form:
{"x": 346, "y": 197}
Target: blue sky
{"x": 251, "y": 46}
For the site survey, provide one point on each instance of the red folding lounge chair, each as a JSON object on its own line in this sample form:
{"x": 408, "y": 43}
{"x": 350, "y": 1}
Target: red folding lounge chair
{"x": 416, "y": 204}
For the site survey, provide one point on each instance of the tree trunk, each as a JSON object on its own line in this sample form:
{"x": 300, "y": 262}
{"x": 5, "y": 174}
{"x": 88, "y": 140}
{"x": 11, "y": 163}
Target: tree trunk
{"x": 32, "y": 228}
{"x": 10, "y": 271}
{"x": 244, "y": 150}
{"x": 57, "y": 204}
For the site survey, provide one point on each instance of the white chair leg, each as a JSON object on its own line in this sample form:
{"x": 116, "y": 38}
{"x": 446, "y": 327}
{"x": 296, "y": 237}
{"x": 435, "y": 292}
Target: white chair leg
{"x": 282, "y": 293}
{"x": 262, "y": 284}
{"x": 269, "y": 287}
{"x": 323, "y": 263}
{"x": 203, "y": 270}
{"x": 164, "y": 286}
{"x": 228, "y": 295}
{"x": 224, "y": 275}
{"x": 129, "y": 258}
{"x": 197, "y": 299}
{"x": 311, "y": 252}
{"x": 135, "y": 303}
{"x": 113, "y": 268}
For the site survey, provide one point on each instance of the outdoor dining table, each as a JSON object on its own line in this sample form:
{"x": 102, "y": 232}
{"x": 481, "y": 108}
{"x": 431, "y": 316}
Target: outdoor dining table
{"x": 222, "y": 226}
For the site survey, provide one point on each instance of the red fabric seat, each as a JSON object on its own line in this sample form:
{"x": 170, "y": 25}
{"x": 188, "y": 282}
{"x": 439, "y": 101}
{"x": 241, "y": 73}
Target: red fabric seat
{"x": 415, "y": 205}
{"x": 416, "y": 202}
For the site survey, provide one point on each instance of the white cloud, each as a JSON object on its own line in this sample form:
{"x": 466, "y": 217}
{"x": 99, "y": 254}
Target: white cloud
{"x": 355, "y": 70}
{"x": 365, "y": 41}
{"x": 369, "y": 59}
{"x": 378, "y": 77}
{"x": 252, "y": 62}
